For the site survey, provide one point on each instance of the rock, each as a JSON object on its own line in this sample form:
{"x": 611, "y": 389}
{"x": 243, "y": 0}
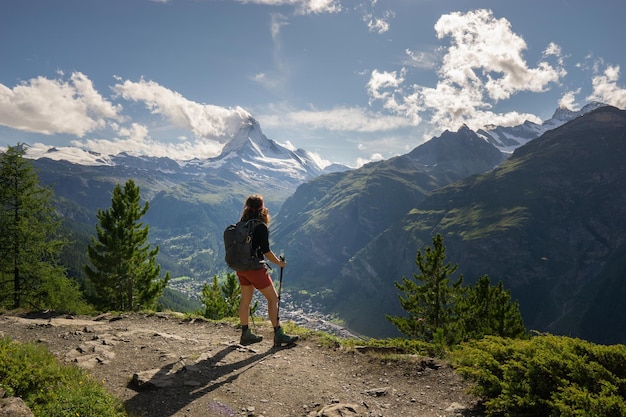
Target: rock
{"x": 430, "y": 364}
{"x": 456, "y": 408}
{"x": 154, "y": 378}
{"x": 338, "y": 410}
{"x": 377, "y": 392}
{"x": 14, "y": 407}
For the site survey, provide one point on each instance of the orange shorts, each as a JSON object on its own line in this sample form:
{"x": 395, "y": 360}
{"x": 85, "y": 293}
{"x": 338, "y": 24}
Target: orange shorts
{"x": 260, "y": 278}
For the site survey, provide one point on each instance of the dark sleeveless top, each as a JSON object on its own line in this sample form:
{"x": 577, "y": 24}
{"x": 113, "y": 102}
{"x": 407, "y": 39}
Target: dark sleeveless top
{"x": 260, "y": 240}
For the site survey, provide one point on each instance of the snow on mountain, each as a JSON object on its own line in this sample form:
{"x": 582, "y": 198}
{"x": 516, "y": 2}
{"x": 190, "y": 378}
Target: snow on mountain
{"x": 251, "y": 155}
{"x": 67, "y": 153}
{"x": 507, "y": 139}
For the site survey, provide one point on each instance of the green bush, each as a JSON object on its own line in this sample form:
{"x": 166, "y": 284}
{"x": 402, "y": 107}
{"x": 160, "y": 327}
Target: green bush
{"x": 546, "y": 376}
{"x": 50, "y": 389}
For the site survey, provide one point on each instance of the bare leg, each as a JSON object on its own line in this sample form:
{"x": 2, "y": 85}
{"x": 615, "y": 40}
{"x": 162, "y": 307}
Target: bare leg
{"x": 247, "y": 291}
{"x": 272, "y": 303}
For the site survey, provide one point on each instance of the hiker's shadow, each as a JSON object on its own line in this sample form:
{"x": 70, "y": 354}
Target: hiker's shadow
{"x": 171, "y": 388}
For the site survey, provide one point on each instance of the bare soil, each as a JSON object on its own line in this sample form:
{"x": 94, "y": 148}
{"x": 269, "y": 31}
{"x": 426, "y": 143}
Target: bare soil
{"x": 164, "y": 366}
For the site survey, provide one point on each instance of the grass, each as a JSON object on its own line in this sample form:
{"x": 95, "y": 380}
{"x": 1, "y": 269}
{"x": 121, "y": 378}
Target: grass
{"x": 49, "y": 388}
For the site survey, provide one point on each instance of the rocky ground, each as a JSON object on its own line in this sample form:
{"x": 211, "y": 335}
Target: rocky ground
{"x": 164, "y": 366}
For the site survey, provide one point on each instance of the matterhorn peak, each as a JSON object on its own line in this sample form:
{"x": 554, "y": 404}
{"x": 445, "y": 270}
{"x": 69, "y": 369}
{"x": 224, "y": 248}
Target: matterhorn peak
{"x": 248, "y": 139}
{"x": 252, "y": 154}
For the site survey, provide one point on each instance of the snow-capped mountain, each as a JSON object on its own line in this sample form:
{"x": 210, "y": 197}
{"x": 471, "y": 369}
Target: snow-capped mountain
{"x": 68, "y": 153}
{"x": 507, "y": 139}
{"x": 251, "y": 155}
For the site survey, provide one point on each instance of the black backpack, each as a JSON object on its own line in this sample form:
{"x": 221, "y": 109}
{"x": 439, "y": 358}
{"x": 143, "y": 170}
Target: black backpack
{"x": 238, "y": 244}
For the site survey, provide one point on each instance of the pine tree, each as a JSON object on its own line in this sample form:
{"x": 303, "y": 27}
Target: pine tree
{"x": 429, "y": 298}
{"x": 221, "y": 300}
{"x": 489, "y": 310}
{"x": 451, "y": 312}
{"x": 214, "y": 304}
{"x": 30, "y": 275}
{"x": 123, "y": 267}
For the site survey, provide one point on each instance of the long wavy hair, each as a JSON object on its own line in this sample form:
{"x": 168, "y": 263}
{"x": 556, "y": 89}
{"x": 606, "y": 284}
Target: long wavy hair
{"x": 255, "y": 209}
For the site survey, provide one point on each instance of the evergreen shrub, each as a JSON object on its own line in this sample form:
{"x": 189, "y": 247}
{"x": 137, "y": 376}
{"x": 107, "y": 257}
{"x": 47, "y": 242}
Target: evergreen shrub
{"x": 545, "y": 375}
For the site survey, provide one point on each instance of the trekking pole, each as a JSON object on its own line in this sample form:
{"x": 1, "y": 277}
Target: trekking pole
{"x": 280, "y": 289}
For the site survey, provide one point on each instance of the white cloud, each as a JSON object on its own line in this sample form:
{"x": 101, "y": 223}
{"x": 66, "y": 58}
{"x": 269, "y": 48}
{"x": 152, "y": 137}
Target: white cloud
{"x": 483, "y": 64}
{"x": 568, "y": 101}
{"x": 342, "y": 119}
{"x": 374, "y": 157}
{"x": 74, "y": 107}
{"x": 204, "y": 120}
{"x": 387, "y": 87}
{"x": 421, "y": 59}
{"x": 276, "y": 79}
{"x": 48, "y": 107}
{"x": 606, "y": 90}
{"x": 552, "y": 49}
{"x": 136, "y": 140}
{"x": 278, "y": 21}
{"x": 302, "y": 6}
{"x": 486, "y": 54}
{"x": 379, "y": 25}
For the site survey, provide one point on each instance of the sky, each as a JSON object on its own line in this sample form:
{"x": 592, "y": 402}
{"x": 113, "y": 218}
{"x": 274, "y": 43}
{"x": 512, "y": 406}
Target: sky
{"x": 350, "y": 81}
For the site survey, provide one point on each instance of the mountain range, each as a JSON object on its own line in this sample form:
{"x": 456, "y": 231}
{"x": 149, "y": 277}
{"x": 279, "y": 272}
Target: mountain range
{"x": 549, "y": 222}
{"x": 190, "y": 201}
{"x": 349, "y": 234}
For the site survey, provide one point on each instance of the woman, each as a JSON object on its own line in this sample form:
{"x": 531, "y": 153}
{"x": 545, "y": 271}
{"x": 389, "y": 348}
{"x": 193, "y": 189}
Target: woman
{"x": 259, "y": 278}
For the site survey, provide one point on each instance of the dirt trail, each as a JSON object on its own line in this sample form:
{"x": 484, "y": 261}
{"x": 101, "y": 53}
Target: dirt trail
{"x": 162, "y": 366}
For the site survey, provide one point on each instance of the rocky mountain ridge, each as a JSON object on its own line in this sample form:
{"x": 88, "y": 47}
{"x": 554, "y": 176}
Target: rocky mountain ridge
{"x": 507, "y": 139}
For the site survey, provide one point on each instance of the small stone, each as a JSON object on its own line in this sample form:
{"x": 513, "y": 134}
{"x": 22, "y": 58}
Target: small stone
{"x": 455, "y": 407}
{"x": 377, "y": 392}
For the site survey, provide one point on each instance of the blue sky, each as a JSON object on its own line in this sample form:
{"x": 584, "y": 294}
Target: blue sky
{"x": 351, "y": 81}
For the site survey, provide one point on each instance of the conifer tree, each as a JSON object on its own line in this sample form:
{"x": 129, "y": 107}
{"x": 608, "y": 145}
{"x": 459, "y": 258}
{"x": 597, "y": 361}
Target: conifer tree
{"x": 30, "y": 242}
{"x": 438, "y": 308}
{"x": 123, "y": 267}
{"x": 489, "y": 310}
{"x": 214, "y": 304}
{"x": 429, "y": 297}
{"x": 221, "y": 300}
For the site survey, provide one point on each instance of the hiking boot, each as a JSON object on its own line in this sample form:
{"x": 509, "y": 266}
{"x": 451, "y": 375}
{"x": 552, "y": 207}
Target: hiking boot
{"x": 280, "y": 338}
{"x": 248, "y": 338}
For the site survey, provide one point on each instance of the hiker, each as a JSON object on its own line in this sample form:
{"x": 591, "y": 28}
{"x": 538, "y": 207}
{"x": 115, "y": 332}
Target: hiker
{"x": 260, "y": 278}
